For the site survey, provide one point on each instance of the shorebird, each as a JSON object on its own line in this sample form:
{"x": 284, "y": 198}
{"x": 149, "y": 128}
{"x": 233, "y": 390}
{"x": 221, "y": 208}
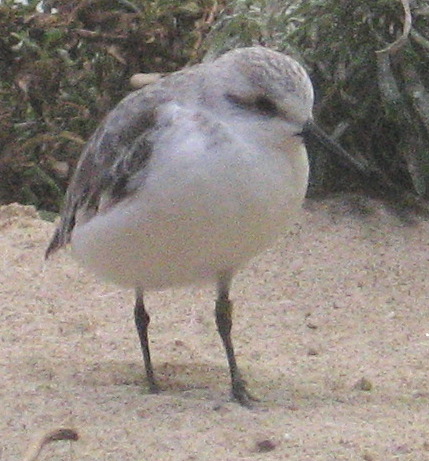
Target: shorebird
{"x": 189, "y": 178}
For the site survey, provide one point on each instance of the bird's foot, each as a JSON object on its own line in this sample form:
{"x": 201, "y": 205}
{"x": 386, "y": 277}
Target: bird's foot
{"x": 241, "y": 394}
{"x": 154, "y": 387}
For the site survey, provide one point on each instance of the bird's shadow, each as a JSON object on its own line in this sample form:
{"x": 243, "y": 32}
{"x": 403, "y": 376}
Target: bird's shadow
{"x": 190, "y": 380}
{"x": 199, "y": 380}
{"x": 171, "y": 376}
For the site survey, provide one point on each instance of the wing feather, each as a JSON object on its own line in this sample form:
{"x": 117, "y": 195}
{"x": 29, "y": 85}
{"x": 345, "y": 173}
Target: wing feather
{"x": 119, "y": 148}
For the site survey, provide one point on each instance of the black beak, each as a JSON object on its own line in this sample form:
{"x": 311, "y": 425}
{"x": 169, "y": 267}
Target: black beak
{"x": 314, "y": 134}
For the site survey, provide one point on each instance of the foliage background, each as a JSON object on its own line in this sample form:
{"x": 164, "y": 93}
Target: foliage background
{"x": 61, "y": 70}
{"x": 63, "y": 65}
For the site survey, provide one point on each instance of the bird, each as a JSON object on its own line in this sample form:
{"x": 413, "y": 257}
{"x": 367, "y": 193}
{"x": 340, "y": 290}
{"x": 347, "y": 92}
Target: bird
{"x": 189, "y": 178}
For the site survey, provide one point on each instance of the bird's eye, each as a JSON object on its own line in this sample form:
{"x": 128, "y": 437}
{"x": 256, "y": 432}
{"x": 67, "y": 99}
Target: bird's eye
{"x": 262, "y": 104}
{"x": 266, "y": 106}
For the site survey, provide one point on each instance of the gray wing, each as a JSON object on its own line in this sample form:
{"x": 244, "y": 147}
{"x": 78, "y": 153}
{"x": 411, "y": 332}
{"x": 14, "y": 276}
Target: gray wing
{"x": 119, "y": 148}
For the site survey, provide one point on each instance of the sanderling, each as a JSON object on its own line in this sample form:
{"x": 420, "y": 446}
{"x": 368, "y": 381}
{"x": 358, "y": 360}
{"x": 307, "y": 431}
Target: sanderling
{"x": 190, "y": 177}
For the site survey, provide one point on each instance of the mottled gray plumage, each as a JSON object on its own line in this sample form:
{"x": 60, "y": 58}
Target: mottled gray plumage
{"x": 121, "y": 146}
{"x": 190, "y": 177}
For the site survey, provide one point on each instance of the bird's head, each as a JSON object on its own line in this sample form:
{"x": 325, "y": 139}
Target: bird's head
{"x": 266, "y": 83}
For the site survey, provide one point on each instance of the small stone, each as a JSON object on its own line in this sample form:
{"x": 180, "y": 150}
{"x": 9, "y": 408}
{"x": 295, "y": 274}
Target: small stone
{"x": 403, "y": 449}
{"x": 292, "y": 407}
{"x": 264, "y": 446}
{"x": 312, "y": 351}
{"x": 363, "y": 385}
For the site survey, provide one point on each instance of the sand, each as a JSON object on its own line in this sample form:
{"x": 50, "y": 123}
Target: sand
{"x": 331, "y": 329}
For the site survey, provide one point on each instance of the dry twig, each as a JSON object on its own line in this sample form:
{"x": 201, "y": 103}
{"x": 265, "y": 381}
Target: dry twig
{"x": 400, "y": 42}
{"x": 53, "y": 435}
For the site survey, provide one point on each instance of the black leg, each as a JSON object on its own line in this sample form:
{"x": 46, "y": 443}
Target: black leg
{"x": 142, "y": 320}
{"x": 224, "y": 325}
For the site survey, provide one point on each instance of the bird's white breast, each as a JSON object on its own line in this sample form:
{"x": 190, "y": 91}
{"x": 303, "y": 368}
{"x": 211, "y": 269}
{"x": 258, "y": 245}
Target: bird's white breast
{"x": 212, "y": 196}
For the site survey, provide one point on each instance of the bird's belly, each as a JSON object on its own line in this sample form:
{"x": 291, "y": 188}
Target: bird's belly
{"x": 187, "y": 233}
{"x": 134, "y": 250}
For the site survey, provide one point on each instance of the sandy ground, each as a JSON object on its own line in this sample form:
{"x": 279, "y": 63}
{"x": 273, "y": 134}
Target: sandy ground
{"x": 331, "y": 329}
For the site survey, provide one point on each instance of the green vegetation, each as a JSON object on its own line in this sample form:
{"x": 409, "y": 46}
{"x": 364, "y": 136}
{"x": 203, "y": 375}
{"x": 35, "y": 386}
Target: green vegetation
{"x": 62, "y": 70}
{"x": 373, "y": 97}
